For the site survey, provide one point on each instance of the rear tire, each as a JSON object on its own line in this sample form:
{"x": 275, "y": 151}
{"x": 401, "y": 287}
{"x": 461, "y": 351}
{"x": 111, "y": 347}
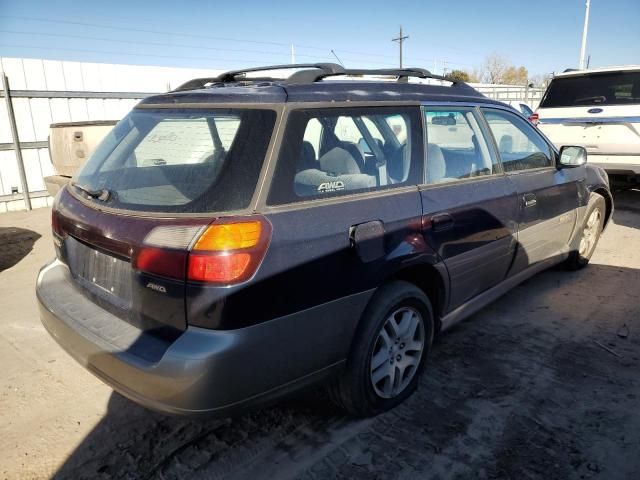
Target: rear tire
{"x": 589, "y": 233}
{"x": 388, "y": 353}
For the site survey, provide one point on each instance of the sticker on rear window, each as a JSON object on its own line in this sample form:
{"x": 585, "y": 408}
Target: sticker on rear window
{"x": 331, "y": 186}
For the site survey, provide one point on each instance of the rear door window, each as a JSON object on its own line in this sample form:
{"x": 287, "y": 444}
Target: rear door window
{"x": 520, "y": 146}
{"x": 456, "y": 146}
{"x": 187, "y": 160}
{"x": 329, "y": 152}
{"x": 611, "y": 88}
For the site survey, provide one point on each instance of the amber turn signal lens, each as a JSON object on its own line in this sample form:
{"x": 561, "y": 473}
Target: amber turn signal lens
{"x": 230, "y": 236}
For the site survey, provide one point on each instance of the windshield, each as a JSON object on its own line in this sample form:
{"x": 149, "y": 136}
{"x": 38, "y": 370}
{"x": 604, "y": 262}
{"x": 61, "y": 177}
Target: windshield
{"x": 187, "y": 160}
{"x": 617, "y": 88}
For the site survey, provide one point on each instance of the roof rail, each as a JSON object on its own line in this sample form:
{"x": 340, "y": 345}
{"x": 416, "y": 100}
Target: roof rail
{"x": 232, "y": 75}
{"x": 403, "y": 74}
{"x": 309, "y": 73}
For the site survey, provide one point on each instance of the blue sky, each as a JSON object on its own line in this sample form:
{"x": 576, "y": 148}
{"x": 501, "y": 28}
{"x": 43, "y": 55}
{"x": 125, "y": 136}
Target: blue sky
{"x": 543, "y": 35}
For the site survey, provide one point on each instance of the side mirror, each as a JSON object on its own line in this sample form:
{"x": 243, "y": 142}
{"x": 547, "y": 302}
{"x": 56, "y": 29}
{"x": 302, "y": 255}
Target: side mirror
{"x": 572, "y": 156}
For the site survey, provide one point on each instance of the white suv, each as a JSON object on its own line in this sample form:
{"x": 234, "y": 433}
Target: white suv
{"x": 599, "y": 109}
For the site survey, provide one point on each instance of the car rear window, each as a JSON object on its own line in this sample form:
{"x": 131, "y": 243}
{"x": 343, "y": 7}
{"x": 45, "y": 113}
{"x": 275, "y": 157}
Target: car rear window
{"x": 180, "y": 161}
{"x": 619, "y": 88}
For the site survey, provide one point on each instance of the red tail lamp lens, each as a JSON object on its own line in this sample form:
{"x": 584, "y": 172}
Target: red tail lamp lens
{"x": 534, "y": 118}
{"x": 166, "y": 263}
{"x": 55, "y": 223}
{"x": 218, "y": 268}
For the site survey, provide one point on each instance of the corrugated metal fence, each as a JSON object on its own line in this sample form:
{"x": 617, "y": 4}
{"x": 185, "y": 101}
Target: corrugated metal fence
{"x": 43, "y": 92}
{"x": 25, "y": 123}
{"x": 507, "y": 93}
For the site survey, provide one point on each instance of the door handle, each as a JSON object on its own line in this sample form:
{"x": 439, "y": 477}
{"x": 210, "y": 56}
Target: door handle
{"x": 441, "y": 222}
{"x": 529, "y": 199}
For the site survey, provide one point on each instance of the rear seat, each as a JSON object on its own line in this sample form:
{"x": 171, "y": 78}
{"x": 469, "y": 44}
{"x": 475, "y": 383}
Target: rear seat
{"x": 337, "y": 170}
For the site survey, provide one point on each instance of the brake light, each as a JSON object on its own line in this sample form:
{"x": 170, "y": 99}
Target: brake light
{"x": 163, "y": 262}
{"x": 225, "y": 252}
{"x": 218, "y": 268}
{"x": 534, "y": 118}
{"x": 55, "y": 223}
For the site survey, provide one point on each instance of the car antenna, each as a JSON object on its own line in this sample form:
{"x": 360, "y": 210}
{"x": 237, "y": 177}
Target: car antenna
{"x": 339, "y": 61}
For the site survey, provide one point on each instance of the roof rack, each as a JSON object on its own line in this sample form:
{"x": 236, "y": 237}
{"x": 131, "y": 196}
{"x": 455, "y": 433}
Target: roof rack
{"x": 233, "y": 76}
{"x": 308, "y": 73}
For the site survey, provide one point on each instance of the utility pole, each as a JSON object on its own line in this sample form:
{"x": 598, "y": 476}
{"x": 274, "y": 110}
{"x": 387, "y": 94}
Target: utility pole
{"x": 583, "y": 49}
{"x": 293, "y": 54}
{"x": 400, "y": 39}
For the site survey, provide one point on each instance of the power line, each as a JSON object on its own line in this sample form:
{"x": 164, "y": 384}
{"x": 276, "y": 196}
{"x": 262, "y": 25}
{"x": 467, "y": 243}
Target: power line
{"x": 278, "y": 55}
{"x": 209, "y": 37}
{"x": 111, "y": 52}
{"x": 158, "y": 44}
{"x": 141, "y": 30}
{"x": 164, "y": 32}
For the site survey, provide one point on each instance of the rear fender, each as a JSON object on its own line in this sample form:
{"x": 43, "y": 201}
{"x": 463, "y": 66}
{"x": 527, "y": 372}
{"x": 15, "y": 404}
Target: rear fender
{"x": 598, "y": 182}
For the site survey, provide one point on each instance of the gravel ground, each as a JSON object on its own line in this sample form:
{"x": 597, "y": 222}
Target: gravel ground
{"x": 543, "y": 383}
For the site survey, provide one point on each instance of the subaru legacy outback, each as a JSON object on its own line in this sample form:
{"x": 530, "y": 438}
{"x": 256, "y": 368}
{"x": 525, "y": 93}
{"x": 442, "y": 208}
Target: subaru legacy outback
{"x": 246, "y": 236}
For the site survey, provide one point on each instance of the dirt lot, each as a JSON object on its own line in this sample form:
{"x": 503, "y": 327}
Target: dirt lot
{"x": 544, "y": 383}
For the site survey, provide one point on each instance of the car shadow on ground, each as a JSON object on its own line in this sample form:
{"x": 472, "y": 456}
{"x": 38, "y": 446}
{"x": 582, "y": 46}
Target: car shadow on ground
{"x": 15, "y": 244}
{"x": 446, "y": 419}
{"x": 625, "y": 202}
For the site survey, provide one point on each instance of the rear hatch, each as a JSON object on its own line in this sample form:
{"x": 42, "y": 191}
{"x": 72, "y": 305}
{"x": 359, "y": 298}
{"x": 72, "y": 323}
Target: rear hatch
{"x": 128, "y": 221}
{"x": 599, "y": 110}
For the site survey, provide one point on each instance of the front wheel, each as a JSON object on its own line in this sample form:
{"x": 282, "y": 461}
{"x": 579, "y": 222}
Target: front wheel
{"x": 590, "y": 234}
{"x": 388, "y": 352}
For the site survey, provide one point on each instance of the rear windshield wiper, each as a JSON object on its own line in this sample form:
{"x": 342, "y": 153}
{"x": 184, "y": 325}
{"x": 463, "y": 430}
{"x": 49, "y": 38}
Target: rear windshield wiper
{"x": 596, "y": 99}
{"x": 102, "y": 194}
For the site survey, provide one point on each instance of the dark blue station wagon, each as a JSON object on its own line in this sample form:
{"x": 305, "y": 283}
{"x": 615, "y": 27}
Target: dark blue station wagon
{"x": 245, "y": 236}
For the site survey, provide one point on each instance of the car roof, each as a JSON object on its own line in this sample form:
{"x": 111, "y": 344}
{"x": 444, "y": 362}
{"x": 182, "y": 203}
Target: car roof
{"x": 330, "y": 91}
{"x": 318, "y": 84}
{"x": 621, "y": 68}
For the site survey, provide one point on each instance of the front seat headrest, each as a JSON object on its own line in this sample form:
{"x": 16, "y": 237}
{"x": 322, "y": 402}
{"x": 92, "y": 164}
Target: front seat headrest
{"x": 338, "y": 161}
{"x": 436, "y": 166}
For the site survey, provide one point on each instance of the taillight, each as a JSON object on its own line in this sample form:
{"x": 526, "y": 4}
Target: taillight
{"x": 163, "y": 262}
{"x": 229, "y": 252}
{"x": 225, "y": 252}
{"x": 534, "y": 118}
{"x": 55, "y": 223}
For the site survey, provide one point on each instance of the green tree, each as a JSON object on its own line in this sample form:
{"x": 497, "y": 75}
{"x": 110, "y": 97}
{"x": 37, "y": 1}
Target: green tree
{"x": 458, "y": 76}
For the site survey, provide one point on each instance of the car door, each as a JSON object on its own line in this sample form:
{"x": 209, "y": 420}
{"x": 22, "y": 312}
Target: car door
{"x": 547, "y": 196}
{"x": 340, "y": 222}
{"x": 469, "y": 206}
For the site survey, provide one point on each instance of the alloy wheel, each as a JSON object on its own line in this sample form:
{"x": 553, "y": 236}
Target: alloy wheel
{"x": 397, "y": 352}
{"x": 590, "y": 233}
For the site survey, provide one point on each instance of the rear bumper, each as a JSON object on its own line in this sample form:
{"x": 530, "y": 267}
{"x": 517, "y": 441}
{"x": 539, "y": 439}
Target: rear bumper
{"x": 201, "y": 371}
